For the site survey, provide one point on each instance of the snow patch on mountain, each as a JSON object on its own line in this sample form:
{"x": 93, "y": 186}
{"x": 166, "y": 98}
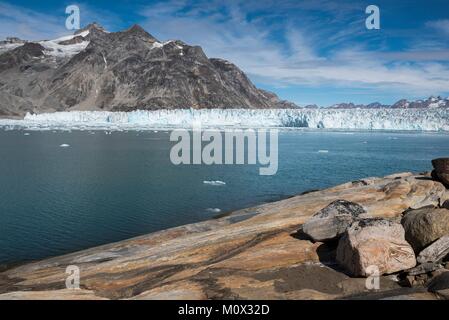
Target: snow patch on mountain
{"x": 58, "y": 49}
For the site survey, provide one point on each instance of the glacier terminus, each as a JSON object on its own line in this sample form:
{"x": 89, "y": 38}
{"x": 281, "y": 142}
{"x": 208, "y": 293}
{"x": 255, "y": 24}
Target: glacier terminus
{"x": 436, "y": 119}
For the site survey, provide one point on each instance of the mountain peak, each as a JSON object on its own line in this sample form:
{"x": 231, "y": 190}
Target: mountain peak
{"x": 91, "y": 27}
{"x": 138, "y": 31}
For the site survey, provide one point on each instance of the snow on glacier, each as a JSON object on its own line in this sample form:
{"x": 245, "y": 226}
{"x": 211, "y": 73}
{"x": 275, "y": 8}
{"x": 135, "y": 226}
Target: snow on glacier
{"x": 54, "y": 48}
{"x": 434, "y": 119}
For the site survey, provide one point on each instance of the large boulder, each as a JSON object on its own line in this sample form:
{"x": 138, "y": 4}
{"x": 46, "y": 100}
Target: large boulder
{"x": 424, "y": 226}
{"x": 333, "y": 220}
{"x": 374, "y": 244}
{"x": 436, "y": 252}
{"x": 441, "y": 171}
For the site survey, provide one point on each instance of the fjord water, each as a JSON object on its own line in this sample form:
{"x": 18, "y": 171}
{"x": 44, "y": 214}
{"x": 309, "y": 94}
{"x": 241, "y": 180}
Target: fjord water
{"x": 108, "y": 187}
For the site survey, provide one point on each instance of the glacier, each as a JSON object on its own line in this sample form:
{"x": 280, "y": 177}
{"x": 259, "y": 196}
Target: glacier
{"x": 435, "y": 119}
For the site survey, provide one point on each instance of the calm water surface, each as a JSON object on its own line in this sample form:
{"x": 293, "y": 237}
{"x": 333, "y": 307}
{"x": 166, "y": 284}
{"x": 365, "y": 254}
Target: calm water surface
{"x": 105, "y": 188}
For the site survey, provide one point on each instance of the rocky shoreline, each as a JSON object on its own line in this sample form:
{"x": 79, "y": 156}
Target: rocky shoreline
{"x": 326, "y": 244}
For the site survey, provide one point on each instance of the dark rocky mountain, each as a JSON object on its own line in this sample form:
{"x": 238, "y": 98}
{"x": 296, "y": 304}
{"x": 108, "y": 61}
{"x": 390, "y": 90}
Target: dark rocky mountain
{"x": 120, "y": 71}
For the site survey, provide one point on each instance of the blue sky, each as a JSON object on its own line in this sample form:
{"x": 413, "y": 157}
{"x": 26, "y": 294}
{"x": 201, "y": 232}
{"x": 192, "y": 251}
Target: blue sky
{"x": 311, "y": 51}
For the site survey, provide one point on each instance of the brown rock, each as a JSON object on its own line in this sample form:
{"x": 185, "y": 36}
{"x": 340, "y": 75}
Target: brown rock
{"x": 441, "y": 166}
{"x": 64, "y": 294}
{"x": 424, "y": 226}
{"x": 376, "y": 243}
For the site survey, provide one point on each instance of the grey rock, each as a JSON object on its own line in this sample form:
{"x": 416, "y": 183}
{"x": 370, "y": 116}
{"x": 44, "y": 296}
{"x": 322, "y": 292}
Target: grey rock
{"x": 425, "y": 267}
{"x": 333, "y": 220}
{"x": 375, "y": 243}
{"x": 435, "y": 252}
{"x": 90, "y": 27}
{"x": 77, "y": 39}
{"x": 440, "y": 282}
{"x": 424, "y": 226}
{"x": 21, "y": 56}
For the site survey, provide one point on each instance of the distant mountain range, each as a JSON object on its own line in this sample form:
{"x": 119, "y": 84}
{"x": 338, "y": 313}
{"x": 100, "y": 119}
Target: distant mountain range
{"x": 122, "y": 71}
{"x": 432, "y": 102}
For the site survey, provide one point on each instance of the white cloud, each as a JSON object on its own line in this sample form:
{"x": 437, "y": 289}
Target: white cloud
{"x": 28, "y": 24}
{"x": 440, "y": 25}
{"x": 295, "y": 59}
{"x": 32, "y": 25}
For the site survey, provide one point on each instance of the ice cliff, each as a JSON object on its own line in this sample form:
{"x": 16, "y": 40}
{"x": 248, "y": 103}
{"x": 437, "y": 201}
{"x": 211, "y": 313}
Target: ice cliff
{"x": 364, "y": 119}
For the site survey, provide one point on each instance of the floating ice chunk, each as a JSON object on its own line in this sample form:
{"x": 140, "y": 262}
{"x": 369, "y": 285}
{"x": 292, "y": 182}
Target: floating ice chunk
{"x": 213, "y": 210}
{"x": 214, "y": 183}
{"x": 323, "y": 151}
{"x": 26, "y": 134}
{"x": 64, "y": 145}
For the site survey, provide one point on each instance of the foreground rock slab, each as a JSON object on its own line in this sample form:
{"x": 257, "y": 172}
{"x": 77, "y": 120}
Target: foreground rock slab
{"x": 333, "y": 220}
{"x": 375, "y": 246}
{"x": 436, "y": 252}
{"x": 253, "y": 253}
{"x": 425, "y": 225}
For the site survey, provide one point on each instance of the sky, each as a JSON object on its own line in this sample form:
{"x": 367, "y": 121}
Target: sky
{"x": 308, "y": 52}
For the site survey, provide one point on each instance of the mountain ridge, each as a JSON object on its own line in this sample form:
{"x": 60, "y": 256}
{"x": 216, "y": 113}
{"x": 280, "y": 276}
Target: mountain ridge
{"x": 121, "y": 71}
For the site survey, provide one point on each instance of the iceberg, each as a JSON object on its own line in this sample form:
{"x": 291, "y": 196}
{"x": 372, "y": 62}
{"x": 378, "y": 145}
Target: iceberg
{"x": 434, "y": 119}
